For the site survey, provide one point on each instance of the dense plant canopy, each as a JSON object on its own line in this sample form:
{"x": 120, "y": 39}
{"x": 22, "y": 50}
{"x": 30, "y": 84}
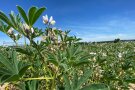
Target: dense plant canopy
{"x": 57, "y": 61}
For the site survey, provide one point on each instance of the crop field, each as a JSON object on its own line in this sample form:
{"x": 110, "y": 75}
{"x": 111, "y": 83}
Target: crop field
{"x": 59, "y": 61}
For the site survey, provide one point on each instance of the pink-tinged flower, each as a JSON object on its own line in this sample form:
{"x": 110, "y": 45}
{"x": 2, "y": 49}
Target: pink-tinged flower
{"x": 45, "y": 19}
{"x": 10, "y": 31}
{"x": 27, "y": 29}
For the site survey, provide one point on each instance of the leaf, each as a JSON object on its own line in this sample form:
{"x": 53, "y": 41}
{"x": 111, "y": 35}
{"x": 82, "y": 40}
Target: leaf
{"x": 23, "y": 14}
{"x": 13, "y": 19}
{"x": 67, "y": 82}
{"x": 84, "y": 78}
{"x": 96, "y": 87}
{"x": 8, "y": 78}
{"x": 37, "y": 14}
{"x": 33, "y": 85}
{"x": 23, "y": 70}
{"x": 26, "y": 50}
{"x": 31, "y": 14}
{"x": 29, "y": 85}
{"x": 74, "y": 81}
{"x": 5, "y": 18}
{"x": 6, "y": 62}
{"x": 12, "y": 69}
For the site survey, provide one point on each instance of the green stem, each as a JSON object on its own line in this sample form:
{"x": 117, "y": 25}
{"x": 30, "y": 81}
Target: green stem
{"x": 24, "y": 41}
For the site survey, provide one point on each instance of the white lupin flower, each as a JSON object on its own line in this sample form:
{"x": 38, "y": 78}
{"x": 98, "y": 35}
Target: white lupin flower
{"x": 45, "y": 19}
{"x": 32, "y": 30}
{"x": 104, "y": 54}
{"x": 10, "y": 31}
{"x": 52, "y": 22}
{"x": 51, "y": 19}
{"x": 92, "y": 53}
{"x": 119, "y": 55}
{"x": 16, "y": 34}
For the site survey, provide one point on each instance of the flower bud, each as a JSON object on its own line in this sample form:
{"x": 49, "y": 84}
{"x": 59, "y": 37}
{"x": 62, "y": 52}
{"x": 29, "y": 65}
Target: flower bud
{"x": 26, "y": 26}
{"x": 32, "y": 30}
{"x": 26, "y": 29}
{"x": 53, "y": 38}
{"x": 10, "y": 31}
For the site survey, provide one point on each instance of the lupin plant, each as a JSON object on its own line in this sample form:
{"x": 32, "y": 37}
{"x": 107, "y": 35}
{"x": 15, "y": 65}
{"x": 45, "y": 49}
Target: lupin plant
{"x": 55, "y": 61}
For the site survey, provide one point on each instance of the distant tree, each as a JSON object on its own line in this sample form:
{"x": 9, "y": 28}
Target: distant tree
{"x": 117, "y": 40}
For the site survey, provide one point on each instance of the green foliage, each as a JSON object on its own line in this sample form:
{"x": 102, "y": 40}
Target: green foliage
{"x": 96, "y": 87}
{"x": 58, "y": 61}
{"x": 33, "y": 14}
{"x": 12, "y": 69}
{"x": 29, "y": 85}
{"x": 76, "y": 83}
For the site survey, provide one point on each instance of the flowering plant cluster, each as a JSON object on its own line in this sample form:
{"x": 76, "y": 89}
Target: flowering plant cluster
{"x": 58, "y": 61}
{"x": 48, "y": 64}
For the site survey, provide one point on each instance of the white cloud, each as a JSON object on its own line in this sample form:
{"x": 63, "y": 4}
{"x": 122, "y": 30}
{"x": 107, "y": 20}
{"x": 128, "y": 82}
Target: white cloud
{"x": 106, "y": 37}
{"x": 123, "y": 28}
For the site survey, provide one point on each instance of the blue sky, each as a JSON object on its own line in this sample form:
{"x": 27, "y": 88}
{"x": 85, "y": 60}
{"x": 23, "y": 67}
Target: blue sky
{"x": 91, "y": 20}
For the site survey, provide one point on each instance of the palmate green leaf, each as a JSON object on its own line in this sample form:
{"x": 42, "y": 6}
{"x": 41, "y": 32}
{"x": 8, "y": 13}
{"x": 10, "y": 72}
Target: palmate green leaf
{"x": 29, "y": 85}
{"x": 53, "y": 59}
{"x": 74, "y": 81}
{"x": 9, "y": 78}
{"x": 96, "y": 87}
{"x": 6, "y": 62}
{"x": 23, "y": 70}
{"x": 5, "y": 28}
{"x": 67, "y": 82}
{"x": 13, "y": 18}
{"x": 27, "y": 50}
{"x": 3, "y": 70}
{"x": 37, "y": 15}
{"x": 81, "y": 62}
{"x": 12, "y": 69}
{"x": 32, "y": 85}
{"x": 31, "y": 14}
{"x": 130, "y": 80}
{"x": 5, "y": 18}
{"x": 84, "y": 78}
{"x": 23, "y": 14}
